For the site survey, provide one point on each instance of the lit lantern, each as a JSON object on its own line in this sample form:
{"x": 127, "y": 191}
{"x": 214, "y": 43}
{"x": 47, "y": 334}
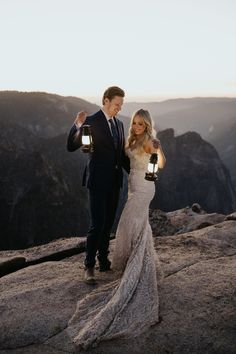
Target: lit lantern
{"x": 151, "y": 175}
{"x": 87, "y": 142}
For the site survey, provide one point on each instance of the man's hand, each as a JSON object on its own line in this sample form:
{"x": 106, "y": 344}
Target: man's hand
{"x": 80, "y": 118}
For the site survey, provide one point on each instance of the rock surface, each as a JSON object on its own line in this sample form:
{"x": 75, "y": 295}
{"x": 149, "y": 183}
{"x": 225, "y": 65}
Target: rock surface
{"x": 197, "y": 299}
{"x": 13, "y": 260}
{"x": 38, "y": 252}
{"x": 231, "y": 216}
{"x": 183, "y": 220}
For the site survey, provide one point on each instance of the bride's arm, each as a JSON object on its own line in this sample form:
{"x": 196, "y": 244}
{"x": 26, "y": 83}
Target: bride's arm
{"x": 154, "y": 146}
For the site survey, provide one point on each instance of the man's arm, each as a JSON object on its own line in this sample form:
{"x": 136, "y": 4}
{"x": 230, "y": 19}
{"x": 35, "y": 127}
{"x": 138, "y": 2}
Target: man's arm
{"x": 74, "y": 140}
{"x": 125, "y": 162}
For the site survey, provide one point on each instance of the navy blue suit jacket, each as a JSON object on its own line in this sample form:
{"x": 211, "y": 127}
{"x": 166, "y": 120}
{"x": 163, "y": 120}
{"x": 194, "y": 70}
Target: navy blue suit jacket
{"x": 104, "y": 168}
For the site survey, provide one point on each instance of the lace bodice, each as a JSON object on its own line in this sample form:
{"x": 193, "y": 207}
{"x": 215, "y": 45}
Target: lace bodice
{"x": 138, "y": 162}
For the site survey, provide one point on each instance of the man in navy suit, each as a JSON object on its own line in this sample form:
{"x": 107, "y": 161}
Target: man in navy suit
{"x": 103, "y": 175}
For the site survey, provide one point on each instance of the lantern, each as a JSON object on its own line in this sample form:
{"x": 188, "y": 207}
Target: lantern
{"x": 151, "y": 175}
{"x": 87, "y": 142}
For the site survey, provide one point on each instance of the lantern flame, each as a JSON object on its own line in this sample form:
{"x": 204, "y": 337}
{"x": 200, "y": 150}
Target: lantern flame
{"x": 153, "y": 168}
{"x": 85, "y": 140}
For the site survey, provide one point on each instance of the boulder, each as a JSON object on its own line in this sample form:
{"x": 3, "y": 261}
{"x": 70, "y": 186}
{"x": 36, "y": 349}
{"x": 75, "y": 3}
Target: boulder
{"x": 231, "y": 216}
{"x": 183, "y": 220}
{"x": 160, "y": 223}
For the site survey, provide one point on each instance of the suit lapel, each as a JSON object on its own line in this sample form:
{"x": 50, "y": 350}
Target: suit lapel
{"x": 120, "y": 134}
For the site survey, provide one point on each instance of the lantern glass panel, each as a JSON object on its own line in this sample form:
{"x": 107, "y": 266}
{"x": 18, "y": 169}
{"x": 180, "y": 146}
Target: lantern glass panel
{"x": 85, "y": 140}
{"x": 152, "y": 168}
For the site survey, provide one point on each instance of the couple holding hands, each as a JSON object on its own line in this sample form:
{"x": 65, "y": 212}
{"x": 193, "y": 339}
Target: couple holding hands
{"x": 129, "y": 305}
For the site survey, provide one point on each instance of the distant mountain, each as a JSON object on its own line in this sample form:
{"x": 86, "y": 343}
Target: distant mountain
{"x": 193, "y": 173}
{"x": 42, "y": 197}
{"x": 223, "y": 137}
{"x": 40, "y": 189}
{"x": 190, "y": 114}
{"x": 45, "y": 115}
{"x": 40, "y": 181}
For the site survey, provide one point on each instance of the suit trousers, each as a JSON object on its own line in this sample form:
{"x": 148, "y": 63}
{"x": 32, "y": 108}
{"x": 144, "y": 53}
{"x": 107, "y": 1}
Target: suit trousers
{"x": 103, "y": 205}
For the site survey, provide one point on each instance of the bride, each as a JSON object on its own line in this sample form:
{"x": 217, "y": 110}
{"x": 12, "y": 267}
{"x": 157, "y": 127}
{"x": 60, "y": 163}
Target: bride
{"x": 129, "y": 305}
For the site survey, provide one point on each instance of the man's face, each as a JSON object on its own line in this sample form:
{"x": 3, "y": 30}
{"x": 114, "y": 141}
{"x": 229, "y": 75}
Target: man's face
{"x": 113, "y": 106}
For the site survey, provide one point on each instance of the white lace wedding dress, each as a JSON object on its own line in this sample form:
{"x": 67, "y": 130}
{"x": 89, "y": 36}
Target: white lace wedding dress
{"x": 129, "y": 305}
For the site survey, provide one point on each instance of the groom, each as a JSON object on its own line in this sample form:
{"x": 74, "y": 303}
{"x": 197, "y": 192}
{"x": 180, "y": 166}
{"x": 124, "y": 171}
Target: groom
{"x": 103, "y": 174}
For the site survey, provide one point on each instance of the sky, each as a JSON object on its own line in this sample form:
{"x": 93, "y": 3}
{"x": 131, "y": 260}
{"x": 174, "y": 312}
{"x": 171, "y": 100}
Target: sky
{"x": 153, "y": 49}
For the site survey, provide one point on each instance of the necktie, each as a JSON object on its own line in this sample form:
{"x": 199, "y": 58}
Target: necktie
{"x": 114, "y": 132}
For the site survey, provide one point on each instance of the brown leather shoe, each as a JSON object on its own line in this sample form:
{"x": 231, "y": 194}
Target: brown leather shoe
{"x": 89, "y": 277}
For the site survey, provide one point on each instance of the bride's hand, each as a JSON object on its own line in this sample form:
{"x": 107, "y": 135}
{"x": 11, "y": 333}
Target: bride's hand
{"x": 156, "y": 144}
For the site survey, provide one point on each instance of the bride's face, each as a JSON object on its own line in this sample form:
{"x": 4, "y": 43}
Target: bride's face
{"x": 138, "y": 125}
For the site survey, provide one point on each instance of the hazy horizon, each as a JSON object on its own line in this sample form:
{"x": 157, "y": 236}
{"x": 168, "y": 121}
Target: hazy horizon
{"x": 155, "y": 50}
{"x": 97, "y": 100}
{"x": 144, "y": 99}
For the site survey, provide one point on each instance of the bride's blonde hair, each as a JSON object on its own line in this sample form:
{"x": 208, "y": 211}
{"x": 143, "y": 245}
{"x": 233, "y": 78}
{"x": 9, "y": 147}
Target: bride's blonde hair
{"x": 149, "y": 132}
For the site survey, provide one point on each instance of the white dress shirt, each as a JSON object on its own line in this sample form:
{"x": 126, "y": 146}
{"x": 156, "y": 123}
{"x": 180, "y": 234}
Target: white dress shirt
{"x": 108, "y": 118}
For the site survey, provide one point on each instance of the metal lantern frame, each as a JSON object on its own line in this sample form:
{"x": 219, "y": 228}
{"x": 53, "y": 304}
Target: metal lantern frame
{"x": 152, "y": 175}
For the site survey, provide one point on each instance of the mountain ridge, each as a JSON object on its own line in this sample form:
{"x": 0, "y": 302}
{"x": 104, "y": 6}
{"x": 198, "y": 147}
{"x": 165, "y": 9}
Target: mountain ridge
{"x": 41, "y": 192}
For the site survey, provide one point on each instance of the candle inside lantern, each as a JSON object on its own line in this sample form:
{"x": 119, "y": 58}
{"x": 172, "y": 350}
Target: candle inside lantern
{"x": 87, "y": 139}
{"x": 152, "y": 167}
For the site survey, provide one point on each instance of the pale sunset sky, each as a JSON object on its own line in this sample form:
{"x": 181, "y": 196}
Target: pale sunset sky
{"x": 153, "y": 49}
